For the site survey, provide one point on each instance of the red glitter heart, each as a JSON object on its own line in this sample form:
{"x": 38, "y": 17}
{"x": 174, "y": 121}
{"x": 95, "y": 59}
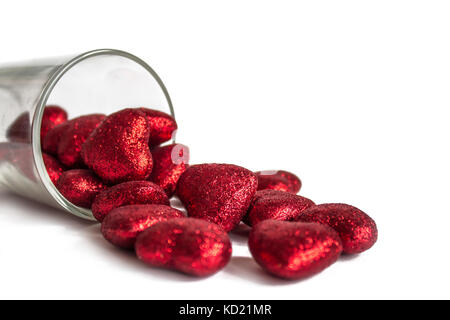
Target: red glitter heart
{"x": 278, "y": 180}
{"x": 219, "y": 193}
{"x": 118, "y": 149}
{"x": 127, "y": 193}
{"x": 19, "y": 130}
{"x": 357, "y": 230}
{"x": 276, "y": 205}
{"x": 169, "y": 162}
{"x": 79, "y": 186}
{"x": 53, "y": 116}
{"x": 122, "y": 225}
{"x": 294, "y": 250}
{"x": 162, "y": 126}
{"x": 53, "y": 166}
{"x": 73, "y": 136}
{"x": 51, "y": 140}
{"x": 188, "y": 245}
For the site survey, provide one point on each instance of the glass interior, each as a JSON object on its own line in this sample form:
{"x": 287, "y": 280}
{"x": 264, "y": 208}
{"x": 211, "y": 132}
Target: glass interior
{"x": 105, "y": 84}
{"x": 100, "y": 81}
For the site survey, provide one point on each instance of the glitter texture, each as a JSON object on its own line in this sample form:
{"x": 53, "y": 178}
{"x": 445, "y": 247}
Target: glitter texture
{"x": 278, "y": 180}
{"x": 162, "y": 126}
{"x": 19, "y": 130}
{"x": 169, "y": 162}
{"x": 118, "y": 149}
{"x": 53, "y": 115}
{"x": 276, "y": 205}
{"x": 79, "y": 186}
{"x": 219, "y": 193}
{"x": 357, "y": 230}
{"x": 127, "y": 193}
{"x": 188, "y": 245}
{"x": 51, "y": 140}
{"x": 73, "y": 136}
{"x": 294, "y": 250}
{"x": 122, "y": 225}
{"x": 53, "y": 166}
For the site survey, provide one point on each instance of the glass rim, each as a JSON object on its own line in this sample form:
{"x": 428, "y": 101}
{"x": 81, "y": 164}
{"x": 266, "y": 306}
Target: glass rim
{"x": 39, "y": 111}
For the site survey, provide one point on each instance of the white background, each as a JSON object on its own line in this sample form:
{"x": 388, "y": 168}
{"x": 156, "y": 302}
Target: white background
{"x": 353, "y": 96}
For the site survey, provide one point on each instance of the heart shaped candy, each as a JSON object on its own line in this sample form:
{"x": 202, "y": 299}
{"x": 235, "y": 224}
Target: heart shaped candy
{"x": 357, "y": 230}
{"x": 118, "y": 149}
{"x": 162, "y": 126}
{"x": 122, "y": 225}
{"x": 53, "y": 166}
{"x": 169, "y": 162}
{"x": 73, "y": 135}
{"x": 53, "y": 116}
{"x": 188, "y": 245}
{"x": 51, "y": 140}
{"x": 219, "y": 193}
{"x": 276, "y": 205}
{"x": 79, "y": 186}
{"x": 294, "y": 250}
{"x": 278, "y": 180}
{"x": 19, "y": 130}
{"x": 127, "y": 193}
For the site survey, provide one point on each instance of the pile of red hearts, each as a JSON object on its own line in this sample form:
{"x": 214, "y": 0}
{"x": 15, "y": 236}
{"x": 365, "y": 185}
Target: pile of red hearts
{"x": 115, "y": 166}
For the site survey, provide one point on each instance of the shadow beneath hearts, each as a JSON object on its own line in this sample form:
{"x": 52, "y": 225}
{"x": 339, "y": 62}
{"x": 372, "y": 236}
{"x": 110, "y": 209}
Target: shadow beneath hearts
{"x": 245, "y": 268}
{"x": 31, "y": 213}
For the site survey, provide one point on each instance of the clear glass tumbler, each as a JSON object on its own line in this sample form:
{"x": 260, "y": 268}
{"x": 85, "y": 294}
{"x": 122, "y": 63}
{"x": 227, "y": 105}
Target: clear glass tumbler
{"x": 98, "y": 81}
